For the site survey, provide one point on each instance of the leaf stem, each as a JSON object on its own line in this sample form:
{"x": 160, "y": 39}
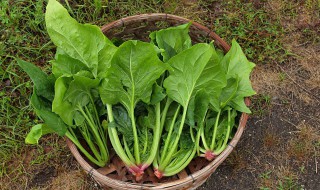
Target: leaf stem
{"x": 168, "y": 157}
{"x": 135, "y": 136}
{"x": 167, "y": 142}
{"x": 115, "y": 141}
{"x": 215, "y": 131}
{"x": 86, "y": 153}
{"x": 224, "y": 145}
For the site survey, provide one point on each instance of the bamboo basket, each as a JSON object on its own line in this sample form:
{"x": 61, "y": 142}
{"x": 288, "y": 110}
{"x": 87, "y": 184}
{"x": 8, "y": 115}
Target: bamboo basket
{"x": 115, "y": 174}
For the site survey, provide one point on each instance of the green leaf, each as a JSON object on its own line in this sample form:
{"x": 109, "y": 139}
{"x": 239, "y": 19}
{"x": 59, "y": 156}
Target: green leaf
{"x": 42, "y": 84}
{"x": 36, "y": 133}
{"x": 123, "y": 123}
{"x": 239, "y": 104}
{"x": 80, "y": 41}
{"x": 193, "y": 71}
{"x": 134, "y": 69}
{"x": 157, "y": 94}
{"x": 64, "y": 65}
{"x": 202, "y": 101}
{"x": 223, "y": 125}
{"x": 229, "y": 92}
{"x": 61, "y": 107}
{"x": 43, "y": 110}
{"x": 236, "y": 64}
{"x": 105, "y": 57}
{"x": 79, "y": 91}
{"x": 173, "y": 40}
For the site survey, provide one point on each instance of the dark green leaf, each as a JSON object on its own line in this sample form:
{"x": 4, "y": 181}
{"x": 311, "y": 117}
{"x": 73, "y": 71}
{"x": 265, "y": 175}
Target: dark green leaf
{"x": 43, "y": 85}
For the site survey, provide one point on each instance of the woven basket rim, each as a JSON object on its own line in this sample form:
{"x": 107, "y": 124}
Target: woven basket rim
{"x": 192, "y": 178}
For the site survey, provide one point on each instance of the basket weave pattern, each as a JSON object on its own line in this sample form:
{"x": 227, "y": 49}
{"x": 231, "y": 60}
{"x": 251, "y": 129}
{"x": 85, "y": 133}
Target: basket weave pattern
{"x": 115, "y": 175}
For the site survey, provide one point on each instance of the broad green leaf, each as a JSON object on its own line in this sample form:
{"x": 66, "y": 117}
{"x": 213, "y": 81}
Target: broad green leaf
{"x": 42, "y": 84}
{"x": 173, "y": 40}
{"x": 61, "y": 107}
{"x": 105, "y": 57}
{"x": 134, "y": 69}
{"x": 80, "y": 41}
{"x": 36, "y": 133}
{"x": 229, "y": 91}
{"x": 43, "y": 110}
{"x": 193, "y": 71}
{"x": 64, "y": 65}
{"x": 239, "y": 104}
{"x": 157, "y": 94}
{"x": 236, "y": 64}
{"x": 79, "y": 91}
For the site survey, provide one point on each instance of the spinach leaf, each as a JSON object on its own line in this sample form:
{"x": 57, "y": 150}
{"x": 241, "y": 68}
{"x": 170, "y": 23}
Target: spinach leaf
{"x": 80, "y": 41}
{"x": 236, "y": 65}
{"x": 134, "y": 69}
{"x": 64, "y": 65}
{"x": 37, "y": 132}
{"x": 191, "y": 72}
{"x": 41, "y": 81}
{"x": 173, "y": 40}
{"x": 43, "y": 110}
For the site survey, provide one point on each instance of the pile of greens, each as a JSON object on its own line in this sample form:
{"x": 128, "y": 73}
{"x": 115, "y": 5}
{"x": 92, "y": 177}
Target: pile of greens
{"x": 157, "y": 103}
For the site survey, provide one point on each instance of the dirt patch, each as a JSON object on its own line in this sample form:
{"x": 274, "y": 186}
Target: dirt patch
{"x": 43, "y": 176}
{"x": 284, "y": 145}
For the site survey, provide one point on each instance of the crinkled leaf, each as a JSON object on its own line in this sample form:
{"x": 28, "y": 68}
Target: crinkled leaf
{"x": 145, "y": 141}
{"x": 193, "y": 71}
{"x": 185, "y": 141}
{"x": 173, "y": 40}
{"x": 123, "y": 122}
{"x": 36, "y": 133}
{"x": 134, "y": 69}
{"x": 223, "y": 125}
{"x": 42, "y": 84}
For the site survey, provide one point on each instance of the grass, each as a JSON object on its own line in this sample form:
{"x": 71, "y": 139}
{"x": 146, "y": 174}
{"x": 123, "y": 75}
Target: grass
{"x": 264, "y": 29}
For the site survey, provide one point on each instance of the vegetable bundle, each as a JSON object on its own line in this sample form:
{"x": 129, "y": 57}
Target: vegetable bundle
{"x": 158, "y": 103}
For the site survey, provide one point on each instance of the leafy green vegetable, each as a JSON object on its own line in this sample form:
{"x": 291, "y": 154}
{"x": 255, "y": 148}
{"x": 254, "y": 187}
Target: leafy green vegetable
{"x": 135, "y": 67}
{"x": 41, "y": 81}
{"x": 161, "y": 102}
{"x": 80, "y": 41}
{"x": 192, "y": 71}
{"x": 37, "y": 132}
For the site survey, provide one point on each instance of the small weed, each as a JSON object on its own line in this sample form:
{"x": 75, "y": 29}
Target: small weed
{"x": 282, "y": 76}
{"x": 261, "y": 104}
{"x": 288, "y": 183}
{"x": 265, "y": 175}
